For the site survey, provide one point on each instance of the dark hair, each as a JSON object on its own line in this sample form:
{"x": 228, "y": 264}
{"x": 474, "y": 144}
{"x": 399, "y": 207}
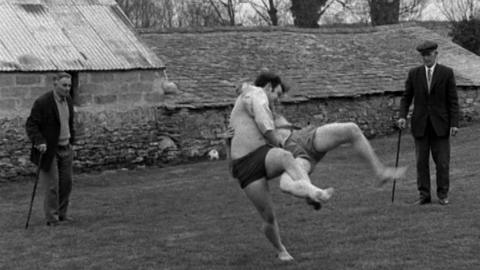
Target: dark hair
{"x": 62, "y": 74}
{"x": 265, "y": 78}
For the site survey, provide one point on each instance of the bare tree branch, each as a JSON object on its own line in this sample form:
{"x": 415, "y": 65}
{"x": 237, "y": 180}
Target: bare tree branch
{"x": 261, "y": 14}
{"x": 457, "y": 10}
{"x": 327, "y": 5}
{"x": 229, "y": 7}
{"x": 267, "y": 10}
{"x": 217, "y": 11}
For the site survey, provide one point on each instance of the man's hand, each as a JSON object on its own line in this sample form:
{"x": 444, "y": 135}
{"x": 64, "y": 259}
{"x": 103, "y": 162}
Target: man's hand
{"x": 42, "y": 148}
{"x": 402, "y": 123}
{"x": 274, "y": 138}
{"x": 228, "y": 134}
{"x": 453, "y": 131}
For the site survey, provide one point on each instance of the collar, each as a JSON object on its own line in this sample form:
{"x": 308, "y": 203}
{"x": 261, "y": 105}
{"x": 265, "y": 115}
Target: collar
{"x": 58, "y": 98}
{"x": 432, "y": 68}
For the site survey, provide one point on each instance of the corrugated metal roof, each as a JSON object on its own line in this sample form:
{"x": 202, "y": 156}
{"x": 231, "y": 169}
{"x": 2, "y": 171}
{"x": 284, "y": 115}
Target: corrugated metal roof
{"x": 41, "y": 35}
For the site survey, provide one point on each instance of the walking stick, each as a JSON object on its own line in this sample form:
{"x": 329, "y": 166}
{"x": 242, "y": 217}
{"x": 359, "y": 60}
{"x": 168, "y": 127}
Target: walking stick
{"x": 37, "y": 176}
{"x": 396, "y": 162}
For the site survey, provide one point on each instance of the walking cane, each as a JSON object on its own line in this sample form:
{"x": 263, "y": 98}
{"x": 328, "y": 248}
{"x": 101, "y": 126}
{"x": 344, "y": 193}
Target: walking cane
{"x": 37, "y": 176}
{"x": 396, "y": 162}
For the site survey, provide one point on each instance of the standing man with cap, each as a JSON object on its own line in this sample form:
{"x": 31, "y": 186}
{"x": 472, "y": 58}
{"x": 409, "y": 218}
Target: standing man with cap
{"x": 432, "y": 88}
{"x": 50, "y": 129}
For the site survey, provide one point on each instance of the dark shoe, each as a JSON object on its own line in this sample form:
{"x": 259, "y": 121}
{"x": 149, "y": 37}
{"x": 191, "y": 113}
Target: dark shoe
{"x": 443, "y": 201}
{"x": 66, "y": 219}
{"x": 423, "y": 201}
{"x": 53, "y": 223}
{"x": 314, "y": 204}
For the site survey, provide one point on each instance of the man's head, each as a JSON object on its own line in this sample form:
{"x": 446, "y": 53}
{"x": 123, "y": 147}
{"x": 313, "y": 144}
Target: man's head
{"x": 272, "y": 85}
{"x": 428, "y": 51}
{"x": 62, "y": 82}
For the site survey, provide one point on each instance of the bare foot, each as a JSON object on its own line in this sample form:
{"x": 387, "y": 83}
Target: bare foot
{"x": 390, "y": 173}
{"x": 284, "y": 256}
{"x": 323, "y": 195}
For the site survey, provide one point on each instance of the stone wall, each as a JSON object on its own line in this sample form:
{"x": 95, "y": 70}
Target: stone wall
{"x": 116, "y": 136}
{"x": 97, "y": 90}
{"x": 197, "y": 129}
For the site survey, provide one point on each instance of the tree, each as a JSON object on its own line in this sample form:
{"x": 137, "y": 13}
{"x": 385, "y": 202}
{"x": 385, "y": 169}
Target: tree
{"x": 361, "y": 11}
{"x": 140, "y": 12}
{"x": 225, "y": 8}
{"x": 167, "y": 14}
{"x": 466, "y": 33}
{"x": 349, "y": 11}
{"x": 192, "y": 13}
{"x": 149, "y": 13}
{"x": 306, "y": 13}
{"x": 267, "y": 10}
{"x": 411, "y": 9}
{"x": 465, "y": 28}
{"x": 384, "y": 11}
{"x": 458, "y": 10}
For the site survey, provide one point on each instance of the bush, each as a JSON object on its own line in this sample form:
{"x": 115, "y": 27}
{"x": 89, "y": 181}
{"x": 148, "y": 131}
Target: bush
{"x": 466, "y": 33}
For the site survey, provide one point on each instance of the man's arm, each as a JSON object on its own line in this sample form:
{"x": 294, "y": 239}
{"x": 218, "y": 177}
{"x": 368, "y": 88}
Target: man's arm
{"x": 452, "y": 103}
{"x": 264, "y": 119}
{"x": 32, "y": 127}
{"x": 274, "y": 138}
{"x": 71, "y": 122}
{"x": 282, "y": 123}
{"x": 406, "y": 100}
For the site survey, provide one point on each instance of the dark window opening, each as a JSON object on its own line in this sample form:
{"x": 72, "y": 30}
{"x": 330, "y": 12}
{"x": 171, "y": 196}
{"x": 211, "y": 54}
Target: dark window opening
{"x": 74, "y": 89}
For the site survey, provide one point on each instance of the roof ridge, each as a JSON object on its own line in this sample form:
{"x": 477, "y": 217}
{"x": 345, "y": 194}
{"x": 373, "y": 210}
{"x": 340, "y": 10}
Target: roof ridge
{"x": 330, "y": 29}
{"x": 61, "y": 2}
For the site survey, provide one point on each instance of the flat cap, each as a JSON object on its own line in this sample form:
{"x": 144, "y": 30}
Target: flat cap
{"x": 427, "y": 46}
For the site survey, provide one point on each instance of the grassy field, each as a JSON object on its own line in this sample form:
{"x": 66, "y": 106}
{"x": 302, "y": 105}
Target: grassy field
{"x": 196, "y": 217}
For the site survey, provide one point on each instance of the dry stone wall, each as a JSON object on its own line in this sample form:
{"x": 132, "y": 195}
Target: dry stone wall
{"x": 159, "y": 134}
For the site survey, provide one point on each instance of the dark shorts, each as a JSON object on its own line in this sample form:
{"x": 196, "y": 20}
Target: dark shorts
{"x": 251, "y": 167}
{"x": 300, "y": 144}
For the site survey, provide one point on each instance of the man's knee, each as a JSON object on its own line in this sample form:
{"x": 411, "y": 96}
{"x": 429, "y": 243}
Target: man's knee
{"x": 285, "y": 156}
{"x": 279, "y": 155}
{"x": 285, "y": 183}
{"x": 353, "y": 129}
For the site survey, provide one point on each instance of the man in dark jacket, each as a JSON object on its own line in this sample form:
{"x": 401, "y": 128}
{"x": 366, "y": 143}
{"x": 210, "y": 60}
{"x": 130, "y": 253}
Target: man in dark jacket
{"x": 51, "y": 131}
{"x": 434, "y": 119}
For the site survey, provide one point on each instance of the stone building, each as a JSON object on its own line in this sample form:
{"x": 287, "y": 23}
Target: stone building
{"x": 113, "y": 74}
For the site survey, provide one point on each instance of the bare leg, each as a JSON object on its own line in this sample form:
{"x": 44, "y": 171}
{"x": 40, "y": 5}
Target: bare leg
{"x": 259, "y": 195}
{"x": 295, "y": 180}
{"x": 287, "y": 185}
{"x": 330, "y": 136}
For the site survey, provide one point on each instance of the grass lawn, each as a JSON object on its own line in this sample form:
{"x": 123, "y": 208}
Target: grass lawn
{"x": 196, "y": 217}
